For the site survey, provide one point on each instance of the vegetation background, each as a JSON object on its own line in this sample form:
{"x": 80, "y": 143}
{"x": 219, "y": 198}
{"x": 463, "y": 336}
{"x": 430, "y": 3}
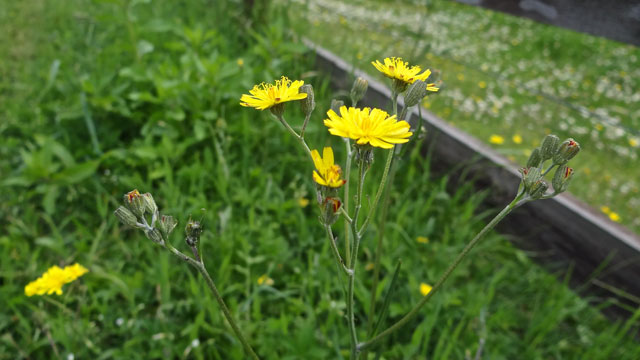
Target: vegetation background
{"x": 100, "y": 97}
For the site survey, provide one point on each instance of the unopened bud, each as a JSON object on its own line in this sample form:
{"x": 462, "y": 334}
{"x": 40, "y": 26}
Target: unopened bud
{"x": 125, "y": 216}
{"x": 416, "y": 92}
{"x": 530, "y": 176}
{"x": 364, "y": 153}
{"x": 538, "y": 189}
{"x": 193, "y": 230}
{"x": 566, "y": 151}
{"x": 535, "y": 158}
{"x": 135, "y": 203}
{"x": 166, "y": 225}
{"x": 155, "y": 235}
{"x": 307, "y": 104}
{"x": 358, "y": 90}
{"x": 561, "y": 178}
{"x": 330, "y": 208}
{"x": 150, "y": 204}
{"x": 549, "y": 147}
{"x": 336, "y": 105}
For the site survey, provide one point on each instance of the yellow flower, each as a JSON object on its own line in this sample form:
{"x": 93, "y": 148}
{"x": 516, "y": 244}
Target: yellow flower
{"x": 303, "y": 202}
{"x": 368, "y": 126}
{"x": 265, "y": 96}
{"x": 614, "y": 217}
{"x": 240, "y": 62}
{"x": 425, "y": 289}
{"x": 517, "y": 139}
{"x": 52, "y": 281}
{"x": 605, "y": 209}
{"x": 634, "y": 142}
{"x": 397, "y": 69}
{"x": 482, "y": 84}
{"x": 264, "y": 279}
{"x": 327, "y": 173}
{"x": 422, "y": 239}
{"x": 496, "y": 139}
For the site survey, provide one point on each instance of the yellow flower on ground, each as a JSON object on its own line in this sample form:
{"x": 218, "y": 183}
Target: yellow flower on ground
{"x": 327, "y": 173}
{"x": 265, "y": 280}
{"x": 368, "y": 126}
{"x": 633, "y": 142}
{"x": 517, "y": 139}
{"x": 52, "y": 281}
{"x": 496, "y": 139}
{"x": 425, "y": 289}
{"x": 614, "y": 216}
{"x": 303, "y": 202}
{"x": 265, "y": 96}
{"x": 397, "y": 69}
{"x": 605, "y": 209}
{"x": 422, "y": 239}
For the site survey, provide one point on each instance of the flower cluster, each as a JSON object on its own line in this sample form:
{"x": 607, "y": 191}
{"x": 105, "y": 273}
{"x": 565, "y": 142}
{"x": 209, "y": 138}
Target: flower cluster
{"x": 51, "y": 282}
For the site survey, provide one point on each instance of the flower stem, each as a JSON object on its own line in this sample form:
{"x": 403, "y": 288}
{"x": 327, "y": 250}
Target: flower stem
{"x": 300, "y": 138}
{"x": 383, "y": 182}
{"x": 411, "y": 314}
{"x": 334, "y": 248}
{"x": 346, "y": 202}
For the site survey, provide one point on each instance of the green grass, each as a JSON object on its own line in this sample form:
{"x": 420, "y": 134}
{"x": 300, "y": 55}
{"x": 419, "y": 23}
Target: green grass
{"x": 507, "y": 76}
{"x": 168, "y": 121}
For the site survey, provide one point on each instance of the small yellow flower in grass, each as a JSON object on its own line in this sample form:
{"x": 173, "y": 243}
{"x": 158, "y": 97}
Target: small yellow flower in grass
{"x": 517, "y": 139}
{"x": 303, "y": 202}
{"x": 327, "y": 173}
{"x": 496, "y": 139}
{"x": 366, "y": 126}
{"x": 605, "y": 209}
{"x": 265, "y": 96}
{"x": 52, "y": 281}
{"x": 240, "y": 62}
{"x": 422, "y": 239}
{"x": 482, "y": 84}
{"x": 265, "y": 280}
{"x": 599, "y": 127}
{"x": 396, "y": 69}
{"x": 425, "y": 289}
{"x": 614, "y": 216}
{"x": 633, "y": 142}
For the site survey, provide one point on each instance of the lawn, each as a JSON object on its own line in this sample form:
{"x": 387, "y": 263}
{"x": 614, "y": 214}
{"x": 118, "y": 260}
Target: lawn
{"x": 100, "y": 97}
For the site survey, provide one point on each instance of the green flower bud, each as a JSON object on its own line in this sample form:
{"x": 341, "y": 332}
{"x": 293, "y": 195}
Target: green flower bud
{"x": 358, "y": 90}
{"x": 535, "y": 159}
{"x": 399, "y": 86}
{"x": 330, "y": 208}
{"x": 561, "y": 178}
{"x": 125, "y": 216}
{"x": 530, "y": 176}
{"x": 135, "y": 203}
{"x": 416, "y": 92}
{"x": 193, "y": 230}
{"x": 567, "y": 150}
{"x": 277, "y": 110}
{"x": 307, "y": 104}
{"x": 549, "y": 147}
{"x": 538, "y": 189}
{"x": 166, "y": 225}
{"x": 155, "y": 235}
{"x": 150, "y": 204}
{"x": 336, "y": 105}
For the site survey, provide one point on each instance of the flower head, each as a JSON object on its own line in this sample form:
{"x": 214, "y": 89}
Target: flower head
{"x": 368, "y": 126}
{"x": 52, "y": 281}
{"x": 399, "y": 70}
{"x": 425, "y": 289}
{"x": 327, "y": 173}
{"x": 265, "y": 96}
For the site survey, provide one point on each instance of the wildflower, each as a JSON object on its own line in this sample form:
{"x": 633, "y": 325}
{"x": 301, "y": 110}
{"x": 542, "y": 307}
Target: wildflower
{"x": 303, "y": 202}
{"x": 425, "y": 289}
{"x": 266, "y": 96}
{"x": 614, "y": 216}
{"x": 266, "y": 280}
{"x": 135, "y": 202}
{"x": 482, "y": 84}
{"x": 240, "y": 62}
{"x": 52, "y": 281}
{"x": 327, "y": 173}
{"x": 400, "y": 71}
{"x": 496, "y": 139}
{"x": 517, "y": 139}
{"x": 422, "y": 239}
{"x": 605, "y": 209}
{"x": 374, "y": 127}
{"x": 633, "y": 142}
{"x": 566, "y": 151}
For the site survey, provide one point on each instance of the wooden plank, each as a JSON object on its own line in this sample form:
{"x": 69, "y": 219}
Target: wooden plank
{"x": 563, "y": 233}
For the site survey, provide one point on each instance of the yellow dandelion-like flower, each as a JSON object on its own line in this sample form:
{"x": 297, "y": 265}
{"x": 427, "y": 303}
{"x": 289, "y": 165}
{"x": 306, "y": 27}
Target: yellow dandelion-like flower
{"x": 496, "y": 139}
{"x": 422, "y": 239}
{"x": 265, "y": 280}
{"x": 52, "y": 281}
{"x": 368, "y": 126}
{"x": 633, "y": 142}
{"x": 303, "y": 202}
{"x": 240, "y": 62}
{"x": 265, "y": 96}
{"x": 425, "y": 289}
{"x": 614, "y": 216}
{"x": 482, "y": 84}
{"x": 396, "y": 69}
{"x": 517, "y": 139}
{"x": 327, "y": 173}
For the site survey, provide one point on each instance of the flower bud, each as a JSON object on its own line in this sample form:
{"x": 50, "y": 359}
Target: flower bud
{"x": 149, "y": 203}
{"x": 307, "y": 104}
{"x": 567, "y": 150}
{"x": 538, "y": 189}
{"x": 125, "y": 216}
{"x": 535, "y": 158}
{"x": 336, "y": 105}
{"x": 135, "y": 203}
{"x": 277, "y": 110}
{"x": 166, "y": 225}
{"x": 399, "y": 86}
{"x": 530, "y": 176}
{"x": 561, "y": 178}
{"x": 358, "y": 90}
{"x": 155, "y": 235}
{"x": 416, "y": 92}
{"x": 330, "y": 208}
{"x": 549, "y": 147}
{"x": 192, "y": 232}
{"x": 365, "y": 153}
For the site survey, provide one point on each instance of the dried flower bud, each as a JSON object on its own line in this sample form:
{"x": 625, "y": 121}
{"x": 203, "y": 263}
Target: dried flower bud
{"x": 150, "y": 204}
{"x": 155, "y": 235}
{"x": 530, "y": 176}
{"x": 537, "y": 190}
{"x": 561, "y": 178}
{"x": 307, "y": 104}
{"x": 166, "y": 225}
{"x": 549, "y": 147}
{"x": 416, "y": 92}
{"x": 193, "y": 230}
{"x": 567, "y": 150}
{"x": 535, "y": 159}
{"x": 358, "y": 90}
{"x": 336, "y": 105}
{"x": 330, "y": 208}
{"x": 135, "y": 203}
{"x": 125, "y": 216}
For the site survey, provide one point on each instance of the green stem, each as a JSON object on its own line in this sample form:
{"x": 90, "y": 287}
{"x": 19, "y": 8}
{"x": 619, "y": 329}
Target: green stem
{"x": 411, "y": 314}
{"x": 383, "y": 182}
{"x": 346, "y": 202}
{"x": 295, "y": 134}
{"x": 334, "y": 248}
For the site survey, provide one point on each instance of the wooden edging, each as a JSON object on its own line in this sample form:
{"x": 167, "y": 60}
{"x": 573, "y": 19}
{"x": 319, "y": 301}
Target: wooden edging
{"x": 602, "y": 257}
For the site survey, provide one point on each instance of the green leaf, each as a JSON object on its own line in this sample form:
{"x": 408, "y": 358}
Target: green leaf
{"x": 76, "y": 173}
